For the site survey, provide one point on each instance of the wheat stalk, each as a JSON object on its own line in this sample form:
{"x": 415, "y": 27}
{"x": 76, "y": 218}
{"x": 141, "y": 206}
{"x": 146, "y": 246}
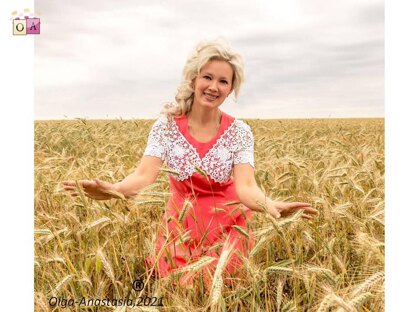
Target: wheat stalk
{"x": 241, "y": 231}
{"x": 107, "y": 266}
{"x": 196, "y": 266}
{"x": 61, "y": 283}
{"x": 368, "y": 283}
{"x": 186, "y": 206}
{"x": 103, "y": 220}
{"x": 217, "y": 280}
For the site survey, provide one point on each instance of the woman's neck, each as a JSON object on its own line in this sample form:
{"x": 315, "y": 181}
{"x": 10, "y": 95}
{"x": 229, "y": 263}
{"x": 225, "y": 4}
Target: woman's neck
{"x": 204, "y": 117}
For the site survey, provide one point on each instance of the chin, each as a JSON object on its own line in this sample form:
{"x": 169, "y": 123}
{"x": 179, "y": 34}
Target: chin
{"x": 206, "y": 103}
{"x": 211, "y": 105}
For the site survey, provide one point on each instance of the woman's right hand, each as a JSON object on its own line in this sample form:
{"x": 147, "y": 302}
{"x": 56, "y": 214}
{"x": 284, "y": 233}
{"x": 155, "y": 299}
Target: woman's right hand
{"x": 95, "y": 189}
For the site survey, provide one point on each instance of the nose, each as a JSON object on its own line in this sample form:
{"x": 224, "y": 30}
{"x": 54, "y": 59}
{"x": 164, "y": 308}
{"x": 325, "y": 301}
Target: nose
{"x": 213, "y": 85}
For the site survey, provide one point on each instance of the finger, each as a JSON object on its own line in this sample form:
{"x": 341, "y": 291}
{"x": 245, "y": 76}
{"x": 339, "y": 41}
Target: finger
{"x": 100, "y": 184}
{"x": 74, "y": 194}
{"x": 69, "y": 188}
{"x": 275, "y": 213}
{"x": 311, "y": 210}
{"x": 307, "y": 210}
{"x": 104, "y": 185}
{"x": 86, "y": 183}
{"x": 69, "y": 183}
{"x": 298, "y": 205}
{"x": 305, "y": 216}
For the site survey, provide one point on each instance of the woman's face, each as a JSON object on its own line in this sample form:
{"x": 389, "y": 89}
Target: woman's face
{"x": 213, "y": 84}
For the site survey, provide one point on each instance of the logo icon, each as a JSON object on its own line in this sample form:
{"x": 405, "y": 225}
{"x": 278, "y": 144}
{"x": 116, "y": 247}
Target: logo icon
{"x": 26, "y": 26}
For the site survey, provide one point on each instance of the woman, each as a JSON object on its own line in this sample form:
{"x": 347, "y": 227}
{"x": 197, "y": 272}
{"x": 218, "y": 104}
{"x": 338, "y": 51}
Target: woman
{"x": 212, "y": 181}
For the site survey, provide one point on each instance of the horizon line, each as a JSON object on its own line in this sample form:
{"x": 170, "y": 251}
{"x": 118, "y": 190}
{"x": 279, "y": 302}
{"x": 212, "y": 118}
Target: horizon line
{"x": 137, "y": 118}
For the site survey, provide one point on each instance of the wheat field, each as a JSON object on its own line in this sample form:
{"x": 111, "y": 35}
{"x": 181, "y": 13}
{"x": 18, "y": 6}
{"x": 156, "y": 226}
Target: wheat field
{"x": 88, "y": 250}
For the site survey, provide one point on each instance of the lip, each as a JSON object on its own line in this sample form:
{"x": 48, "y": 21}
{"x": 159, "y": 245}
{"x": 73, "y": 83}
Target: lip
{"x": 210, "y": 96}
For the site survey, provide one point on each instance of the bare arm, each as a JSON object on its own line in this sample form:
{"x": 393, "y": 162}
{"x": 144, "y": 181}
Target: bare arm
{"x": 144, "y": 175}
{"x": 247, "y": 189}
{"x": 252, "y": 196}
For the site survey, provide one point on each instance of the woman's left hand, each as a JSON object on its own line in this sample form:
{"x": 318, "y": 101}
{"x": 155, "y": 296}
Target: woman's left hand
{"x": 281, "y": 209}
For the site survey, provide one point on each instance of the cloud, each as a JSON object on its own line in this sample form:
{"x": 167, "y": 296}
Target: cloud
{"x": 306, "y": 58}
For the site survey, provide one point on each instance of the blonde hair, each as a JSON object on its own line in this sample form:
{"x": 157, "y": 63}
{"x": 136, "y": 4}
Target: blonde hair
{"x": 204, "y": 52}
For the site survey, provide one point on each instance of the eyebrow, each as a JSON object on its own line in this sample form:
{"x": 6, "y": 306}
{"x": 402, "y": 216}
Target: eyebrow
{"x": 208, "y": 73}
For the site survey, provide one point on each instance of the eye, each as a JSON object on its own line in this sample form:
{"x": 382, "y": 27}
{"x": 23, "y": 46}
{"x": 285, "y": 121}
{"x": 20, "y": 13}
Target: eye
{"x": 224, "y": 81}
{"x": 207, "y": 77}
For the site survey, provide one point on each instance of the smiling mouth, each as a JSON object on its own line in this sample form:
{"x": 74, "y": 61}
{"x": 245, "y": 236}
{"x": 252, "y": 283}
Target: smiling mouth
{"x": 210, "y": 96}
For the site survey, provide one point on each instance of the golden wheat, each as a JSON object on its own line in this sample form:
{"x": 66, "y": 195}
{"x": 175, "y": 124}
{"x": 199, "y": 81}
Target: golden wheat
{"x": 96, "y": 249}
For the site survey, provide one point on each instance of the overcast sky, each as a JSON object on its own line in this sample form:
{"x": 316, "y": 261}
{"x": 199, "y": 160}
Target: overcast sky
{"x": 303, "y": 59}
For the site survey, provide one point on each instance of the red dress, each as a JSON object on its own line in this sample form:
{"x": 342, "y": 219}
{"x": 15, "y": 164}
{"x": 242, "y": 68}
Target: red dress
{"x": 203, "y": 209}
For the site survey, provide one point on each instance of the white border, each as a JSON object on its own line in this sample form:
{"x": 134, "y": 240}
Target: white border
{"x": 16, "y": 183}
{"x": 400, "y": 156}
{"x": 16, "y": 105}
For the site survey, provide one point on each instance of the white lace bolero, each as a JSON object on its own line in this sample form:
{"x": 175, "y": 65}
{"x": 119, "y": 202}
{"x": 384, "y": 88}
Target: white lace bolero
{"x": 234, "y": 146}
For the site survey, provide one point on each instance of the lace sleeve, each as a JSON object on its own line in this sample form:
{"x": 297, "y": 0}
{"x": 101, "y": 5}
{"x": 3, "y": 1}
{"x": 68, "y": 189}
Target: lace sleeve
{"x": 244, "y": 153}
{"x": 155, "y": 143}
